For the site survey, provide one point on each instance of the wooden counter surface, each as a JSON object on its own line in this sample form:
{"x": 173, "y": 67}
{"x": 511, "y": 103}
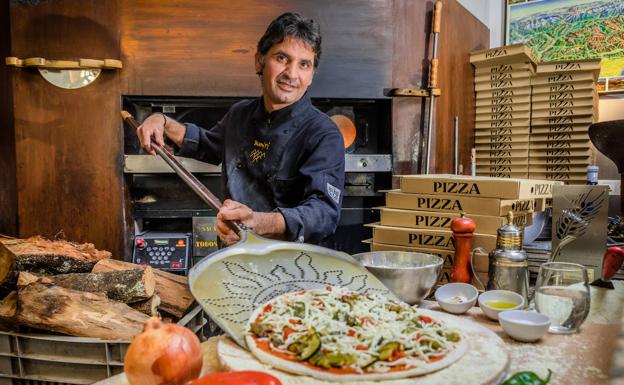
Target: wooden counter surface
{"x": 583, "y": 358}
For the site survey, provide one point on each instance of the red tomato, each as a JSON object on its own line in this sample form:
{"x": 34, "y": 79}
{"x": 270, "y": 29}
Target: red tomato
{"x": 351, "y": 332}
{"x": 425, "y": 319}
{"x": 287, "y": 331}
{"x": 246, "y": 377}
{"x": 361, "y": 347}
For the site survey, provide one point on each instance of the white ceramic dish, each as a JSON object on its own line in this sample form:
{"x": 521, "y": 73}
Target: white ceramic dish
{"x": 525, "y": 326}
{"x": 449, "y": 295}
{"x": 499, "y": 296}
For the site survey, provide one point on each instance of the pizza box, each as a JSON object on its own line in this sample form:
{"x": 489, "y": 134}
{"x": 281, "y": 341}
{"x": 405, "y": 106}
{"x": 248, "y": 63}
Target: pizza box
{"x": 503, "y": 100}
{"x": 561, "y": 160}
{"x": 565, "y": 95}
{"x": 498, "y": 84}
{"x": 513, "y": 168}
{"x": 537, "y": 137}
{"x": 514, "y": 115}
{"x": 458, "y": 203}
{"x": 560, "y": 152}
{"x": 563, "y": 77}
{"x": 569, "y": 66}
{"x": 505, "y": 68}
{"x": 501, "y": 146}
{"x": 582, "y": 128}
{"x": 483, "y": 154}
{"x": 502, "y": 138}
{"x": 439, "y": 220}
{"x": 497, "y": 76}
{"x": 555, "y": 112}
{"x": 438, "y": 239}
{"x": 564, "y": 87}
{"x": 564, "y": 103}
{"x": 564, "y": 144}
{"x": 561, "y": 176}
{"x": 567, "y": 168}
{"x": 502, "y": 131}
{"x": 503, "y": 123}
{"x": 498, "y": 108}
{"x": 503, "y": 175}
{"x": 481, "y": 261}
{"x": 489, "y": 162}
{"x": 556, "y": 120}
{"x": 508, "y": 54}
{"x": 504, "y": 93}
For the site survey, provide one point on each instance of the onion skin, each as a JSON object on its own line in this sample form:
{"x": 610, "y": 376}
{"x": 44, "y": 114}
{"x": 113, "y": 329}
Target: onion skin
{"x": 164, "y": 354}
{"x": 245, "y": 377}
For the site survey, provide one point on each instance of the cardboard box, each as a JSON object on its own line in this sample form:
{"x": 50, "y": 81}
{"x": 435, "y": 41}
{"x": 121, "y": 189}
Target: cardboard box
{"x": 564, "y": 103}
{"x": 556, "y": 168}
{"x": 565, "y": 95}
{"x": 566, "y": 160}
{"x": 502, "y": 146}
{"x": 556, "y": 136}
{"x": 560, "y": 152}
{"x": 554, "y": 128}
{"x": 487, "y": 154}
{"x": 557, "y": 120}
{"x": 498, "y": 76}
{"x": 504, "y": 175}
{"x": 483, "y": 161}
{"x": 502, "y": 123}
{"x": 506, "y": 84}
{"x": 556, "y": 112}
{"x": 500, "y": 108}
{"x": 509, "y": 54}
{"x": 502, "y": 131}
{"x": 504, "y": 168}
{"x": 505, "y": 68}
{"x": 458, "y": 203}
{"x": 471, "y": 186}
{"x": 504, "y": 93}
{"x": 563, "y": 77}
{"x": 442, "y": 221}
{"x": 564, "y": 87}
{"x": 502, "y": 138}
{"x": 510, "y": 115}
{"x": 437, "y": 239}
{"x": 504, "y": 100}
{"x": 561, "y": 176}
{"x": 569, "y": 66}
{"x": 563, "y": 144}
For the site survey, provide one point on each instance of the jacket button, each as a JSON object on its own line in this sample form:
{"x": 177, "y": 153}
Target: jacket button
{"x": 239, "y": 165}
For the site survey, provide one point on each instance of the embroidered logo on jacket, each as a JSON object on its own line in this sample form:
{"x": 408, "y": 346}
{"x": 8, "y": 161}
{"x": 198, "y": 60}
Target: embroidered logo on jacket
{"x": 259, "y": 151}
{"x": 334, "y": 193}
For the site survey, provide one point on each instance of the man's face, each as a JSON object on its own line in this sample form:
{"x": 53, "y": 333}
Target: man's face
{"x": 287, "y": 72}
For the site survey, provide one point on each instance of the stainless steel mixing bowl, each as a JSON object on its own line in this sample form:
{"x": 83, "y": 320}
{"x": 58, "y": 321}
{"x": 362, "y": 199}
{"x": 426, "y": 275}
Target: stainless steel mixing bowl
{"x": 410, "y": 276}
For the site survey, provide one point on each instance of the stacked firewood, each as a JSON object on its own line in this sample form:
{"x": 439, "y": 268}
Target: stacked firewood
{"x": 75, "y": 289}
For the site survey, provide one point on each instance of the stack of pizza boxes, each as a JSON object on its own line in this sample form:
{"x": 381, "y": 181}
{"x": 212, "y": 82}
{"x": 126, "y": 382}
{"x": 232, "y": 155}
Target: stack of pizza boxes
{"x": 503, "y": 110}
{"x": 564, "y": 104}
{"x": 418, "y": 216}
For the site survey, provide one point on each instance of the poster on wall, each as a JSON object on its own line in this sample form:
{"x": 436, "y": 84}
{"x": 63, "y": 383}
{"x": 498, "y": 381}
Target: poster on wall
{"x": 572, "y": 30}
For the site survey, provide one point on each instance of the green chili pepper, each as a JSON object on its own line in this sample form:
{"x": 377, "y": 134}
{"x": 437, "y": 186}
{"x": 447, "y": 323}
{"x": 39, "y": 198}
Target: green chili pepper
{"x": 527, "y": 378}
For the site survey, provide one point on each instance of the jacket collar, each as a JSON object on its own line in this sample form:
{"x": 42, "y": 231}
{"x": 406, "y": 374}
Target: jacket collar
{"x": 282, "y": 114}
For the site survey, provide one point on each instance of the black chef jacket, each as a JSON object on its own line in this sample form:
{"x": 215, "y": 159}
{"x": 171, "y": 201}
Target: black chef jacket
{"x": 291, "y": 161}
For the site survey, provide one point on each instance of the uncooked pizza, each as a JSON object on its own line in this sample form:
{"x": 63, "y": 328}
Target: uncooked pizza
{"x": 341, "y": 335}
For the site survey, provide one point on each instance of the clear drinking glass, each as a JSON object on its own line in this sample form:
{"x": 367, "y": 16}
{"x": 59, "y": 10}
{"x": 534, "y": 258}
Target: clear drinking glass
{"x": 562, "y": 293}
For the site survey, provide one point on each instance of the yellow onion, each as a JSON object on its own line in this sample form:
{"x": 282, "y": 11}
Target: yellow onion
{"x": 164, "y": 354}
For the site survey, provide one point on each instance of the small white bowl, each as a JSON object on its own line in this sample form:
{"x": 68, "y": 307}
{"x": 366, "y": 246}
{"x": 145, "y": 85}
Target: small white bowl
{"x": 445, "y": 294}
{"x": 502, "y": 296}
{"x": 525, "y": 326}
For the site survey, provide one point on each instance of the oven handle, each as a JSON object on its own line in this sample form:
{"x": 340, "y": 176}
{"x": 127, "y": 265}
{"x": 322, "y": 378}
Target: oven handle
{"x": 198, "y": 187}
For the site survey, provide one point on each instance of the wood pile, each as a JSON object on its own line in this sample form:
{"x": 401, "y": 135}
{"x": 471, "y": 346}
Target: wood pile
{"x": 75, "y": 289}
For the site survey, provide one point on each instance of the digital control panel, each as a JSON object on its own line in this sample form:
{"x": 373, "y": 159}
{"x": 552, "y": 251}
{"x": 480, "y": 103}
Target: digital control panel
{"x": 162, "y": 251}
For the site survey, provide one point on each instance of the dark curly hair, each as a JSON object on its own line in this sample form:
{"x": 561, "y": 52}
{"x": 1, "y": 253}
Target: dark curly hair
{"x": 292, "y": 25}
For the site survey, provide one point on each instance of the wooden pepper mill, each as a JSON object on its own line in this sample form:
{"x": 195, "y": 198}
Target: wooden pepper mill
{"x": 463, "y": 229}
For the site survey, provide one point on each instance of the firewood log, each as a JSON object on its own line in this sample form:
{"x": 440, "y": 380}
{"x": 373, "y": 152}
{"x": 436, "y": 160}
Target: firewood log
{"x": 148, "y": 306}
{"x": 8, "y": 308}
{"x": 82, "y": 314}
{"x": 125, "y": 286}
{"x": 42, "y": 256}
{"x": 173, "y": 290}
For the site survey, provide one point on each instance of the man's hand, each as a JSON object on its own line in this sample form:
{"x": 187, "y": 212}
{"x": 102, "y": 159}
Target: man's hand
{"x": 270, "y": 225}
{"x": 155, "y": 127}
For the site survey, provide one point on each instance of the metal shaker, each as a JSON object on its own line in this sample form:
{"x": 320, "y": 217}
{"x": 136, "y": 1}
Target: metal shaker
{"x": 508, "y": 265}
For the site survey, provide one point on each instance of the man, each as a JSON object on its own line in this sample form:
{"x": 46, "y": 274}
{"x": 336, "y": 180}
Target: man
{"x": 282, "y": 159}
